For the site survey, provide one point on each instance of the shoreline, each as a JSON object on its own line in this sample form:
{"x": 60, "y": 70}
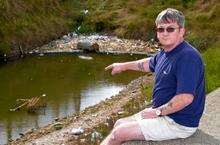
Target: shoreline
{"x": 48, "y": 134}
{"x": 93, "y": 119}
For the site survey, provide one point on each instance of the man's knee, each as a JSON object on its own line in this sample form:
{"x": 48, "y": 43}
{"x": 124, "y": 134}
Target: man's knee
{"x": 119, "y": 133}
{"x": 119, "y": 122}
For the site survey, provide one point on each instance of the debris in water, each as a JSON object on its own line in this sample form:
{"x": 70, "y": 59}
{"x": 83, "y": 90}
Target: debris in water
{"x": 41, "y": 54}
{"x": 31, "y": 104}
{"x": 85, "y": 57}
{"x": 43, "y": 95}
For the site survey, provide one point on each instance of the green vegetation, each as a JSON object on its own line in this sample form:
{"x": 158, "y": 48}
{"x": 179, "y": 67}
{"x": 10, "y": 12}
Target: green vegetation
{"x": 212, "y": 62}
{"x": 30, "y": 23}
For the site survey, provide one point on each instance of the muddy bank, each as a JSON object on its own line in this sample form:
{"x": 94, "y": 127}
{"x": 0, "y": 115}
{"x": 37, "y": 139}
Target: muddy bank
{"x": 95, "y": 121}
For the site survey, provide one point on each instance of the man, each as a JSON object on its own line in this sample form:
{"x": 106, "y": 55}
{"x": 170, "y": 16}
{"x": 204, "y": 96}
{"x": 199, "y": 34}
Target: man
{"x": 179, "y": 89}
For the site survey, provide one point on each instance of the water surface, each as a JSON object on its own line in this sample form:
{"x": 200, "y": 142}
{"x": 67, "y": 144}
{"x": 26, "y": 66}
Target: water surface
{"x": 70, "y": 83}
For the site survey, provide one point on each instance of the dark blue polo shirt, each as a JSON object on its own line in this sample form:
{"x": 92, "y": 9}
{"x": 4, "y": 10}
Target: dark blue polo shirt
{"x": 180, "y": 70}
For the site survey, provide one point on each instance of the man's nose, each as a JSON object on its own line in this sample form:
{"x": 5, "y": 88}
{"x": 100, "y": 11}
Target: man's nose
{"x": 165, "y": 33}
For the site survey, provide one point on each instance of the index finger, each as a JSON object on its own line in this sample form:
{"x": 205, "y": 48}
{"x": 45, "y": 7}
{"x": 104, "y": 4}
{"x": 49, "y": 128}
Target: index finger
{"x": 109, "y": 67}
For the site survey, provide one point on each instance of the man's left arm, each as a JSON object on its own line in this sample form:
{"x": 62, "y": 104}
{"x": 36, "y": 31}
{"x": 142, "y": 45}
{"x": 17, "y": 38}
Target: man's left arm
{"x": 176, "y": 104}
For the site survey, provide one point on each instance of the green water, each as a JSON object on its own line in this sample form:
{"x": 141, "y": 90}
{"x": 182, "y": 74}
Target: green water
{"x": 69, "y": 82}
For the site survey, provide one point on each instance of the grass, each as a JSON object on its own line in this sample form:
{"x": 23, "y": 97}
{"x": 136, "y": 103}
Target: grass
{"x": 35, "y": 22}
{"x": 212, "y": 62}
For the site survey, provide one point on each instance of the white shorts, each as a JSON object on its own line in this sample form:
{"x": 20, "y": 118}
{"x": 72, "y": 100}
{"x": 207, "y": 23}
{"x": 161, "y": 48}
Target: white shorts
{"x": 163, "y": 128}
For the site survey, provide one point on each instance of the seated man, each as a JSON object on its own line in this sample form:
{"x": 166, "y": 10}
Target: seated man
{"x": 179, "y": 89}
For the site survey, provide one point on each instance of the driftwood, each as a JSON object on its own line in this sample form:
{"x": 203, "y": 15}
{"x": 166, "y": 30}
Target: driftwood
{"x": 31, "y": 104}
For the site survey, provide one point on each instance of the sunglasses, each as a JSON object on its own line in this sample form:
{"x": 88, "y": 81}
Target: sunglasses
{"x": 168, "y": 29}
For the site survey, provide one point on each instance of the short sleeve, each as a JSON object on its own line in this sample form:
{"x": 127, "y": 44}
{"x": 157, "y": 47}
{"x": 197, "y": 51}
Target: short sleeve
{"x": 189, "y": 71}
{"x": 152, "y": 63}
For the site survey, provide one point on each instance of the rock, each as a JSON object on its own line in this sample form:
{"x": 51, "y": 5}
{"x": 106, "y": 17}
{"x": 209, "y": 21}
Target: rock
{"x": 66, "y": 38}
{"x": 82, "y": 140}
{"x": 72, "y": 35}
{"x": 56, "y": 119}
{"x": 77, "y": 131}
{"x": 94, "y": 115}
{"x": 88, "y": 46}
{"x": 10, "y": 140}
{"x": 109, "y": 122}
{"x": 121, "y": 112}
{"x": 21, "y": 134}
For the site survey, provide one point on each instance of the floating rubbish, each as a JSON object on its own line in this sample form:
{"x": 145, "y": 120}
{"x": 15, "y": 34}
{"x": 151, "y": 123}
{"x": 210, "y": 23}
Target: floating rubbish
{"x": 79, "y": 28}
{"x": 36, "y": 51}
{"x": 31, "y": 104}
{"x": 86, "y": 11}
{"x": 85, "y": 57}
{"x": 58, "y": 125}
{"x": 41, "y": 54}
{"x": 77, "y": 131}
{"x": 44, "y": 95}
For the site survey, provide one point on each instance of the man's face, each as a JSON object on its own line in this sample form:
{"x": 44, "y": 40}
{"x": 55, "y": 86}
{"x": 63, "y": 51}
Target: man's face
{"x": 169, "y": 33}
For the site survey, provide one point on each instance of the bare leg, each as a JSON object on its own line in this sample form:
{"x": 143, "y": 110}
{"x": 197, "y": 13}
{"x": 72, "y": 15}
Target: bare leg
{"x": 122, "y": 132}
{"x": 126, "y": 119}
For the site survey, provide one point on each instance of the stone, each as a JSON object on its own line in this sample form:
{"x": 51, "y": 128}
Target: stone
{"x": 88, "y": 46}
{"x": 121, "y": 112}
{"x": 77, "y": 131}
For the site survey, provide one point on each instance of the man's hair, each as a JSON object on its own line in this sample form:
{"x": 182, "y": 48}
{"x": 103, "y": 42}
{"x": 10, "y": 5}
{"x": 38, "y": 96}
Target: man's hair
{"x": 171, "y": 15}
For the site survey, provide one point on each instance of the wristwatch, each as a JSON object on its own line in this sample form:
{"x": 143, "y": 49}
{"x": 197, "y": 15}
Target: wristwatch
{"x": 158, "y": 112}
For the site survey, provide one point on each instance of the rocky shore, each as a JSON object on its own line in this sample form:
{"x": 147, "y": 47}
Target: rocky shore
{"x": 106, "y": 44}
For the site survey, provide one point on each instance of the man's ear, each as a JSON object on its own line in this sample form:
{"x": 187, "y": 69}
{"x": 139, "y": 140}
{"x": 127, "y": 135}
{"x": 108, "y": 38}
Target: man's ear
{"x": 182, "y": 31}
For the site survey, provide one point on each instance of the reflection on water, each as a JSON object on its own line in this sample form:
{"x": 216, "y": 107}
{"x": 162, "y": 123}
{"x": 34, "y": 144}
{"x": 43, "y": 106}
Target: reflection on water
{"x": 89, "y": 96}
{"x": 70, "y": 83}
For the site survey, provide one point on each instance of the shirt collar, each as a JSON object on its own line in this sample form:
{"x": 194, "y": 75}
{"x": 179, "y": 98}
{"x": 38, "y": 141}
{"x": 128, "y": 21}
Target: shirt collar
{"x": 176, "y": 49}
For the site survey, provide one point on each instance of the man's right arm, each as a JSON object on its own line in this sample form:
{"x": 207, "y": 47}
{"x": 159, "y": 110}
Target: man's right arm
{"x": 139, "y": 65}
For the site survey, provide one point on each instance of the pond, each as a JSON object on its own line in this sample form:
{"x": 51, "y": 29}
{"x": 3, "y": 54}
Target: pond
{"x": 70, "y": 83}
